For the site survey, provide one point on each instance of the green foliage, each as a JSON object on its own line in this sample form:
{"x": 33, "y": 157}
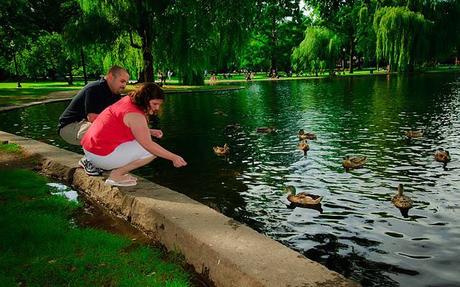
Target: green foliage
{"x": 47, "y": 55}
{"x": 254, "y": 56}
{"x": 278, "y": 27}
{"x": 400, "y": 36}
{"x": 365, "y": 35}
{"x": 122, "y": 53}
{"x": 319, "y": 49}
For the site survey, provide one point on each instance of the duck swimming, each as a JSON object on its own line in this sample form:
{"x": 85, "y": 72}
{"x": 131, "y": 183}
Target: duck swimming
{"x": 303, "y": 145}
{"x": 442, "y": 155}
{"x": 400, "y": 200}
{"x": 265, "y": 130}
{"x": 302, "y": 199}
{"x": 306, "y": 136}
{"x": 413, "y": 134}
{"x": 221, "y": 151}
{"x": 350, "y": 162}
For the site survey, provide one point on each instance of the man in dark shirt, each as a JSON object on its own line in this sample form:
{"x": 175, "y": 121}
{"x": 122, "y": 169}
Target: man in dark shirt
{"x": 87, "y": 105}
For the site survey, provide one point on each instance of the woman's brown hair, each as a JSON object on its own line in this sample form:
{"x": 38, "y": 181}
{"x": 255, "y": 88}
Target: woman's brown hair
{"x": 146, "y": 92}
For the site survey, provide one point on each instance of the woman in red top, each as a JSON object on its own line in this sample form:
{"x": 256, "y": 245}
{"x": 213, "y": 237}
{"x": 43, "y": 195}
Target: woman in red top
{"x": 120, "y": 139}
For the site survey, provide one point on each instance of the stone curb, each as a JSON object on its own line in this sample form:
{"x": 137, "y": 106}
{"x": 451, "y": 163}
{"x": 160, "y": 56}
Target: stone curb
{"x": 226, "y": 251}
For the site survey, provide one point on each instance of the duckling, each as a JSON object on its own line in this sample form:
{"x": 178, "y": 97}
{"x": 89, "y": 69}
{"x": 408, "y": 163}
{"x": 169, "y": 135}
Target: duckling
{"x": 442, "y": 155}
{"x": 221, "y": 151}
{"x": 265, "y": 130}
{"x": 302, "y": 199}
{"x": 350, "y": 162}
{"x": 303, "y": 145}
{"x": 306, "y": 136}
{"x": 413, "y": 134}
{"x": 400, "y": 200}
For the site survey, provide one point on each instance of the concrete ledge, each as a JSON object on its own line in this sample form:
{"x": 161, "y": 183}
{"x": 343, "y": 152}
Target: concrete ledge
{"x": 226, "y": 251}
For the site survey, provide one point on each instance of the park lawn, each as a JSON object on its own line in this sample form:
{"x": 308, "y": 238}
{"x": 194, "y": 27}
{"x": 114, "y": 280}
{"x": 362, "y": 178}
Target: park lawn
{"x": 41, "y": 246}
{"x": 34, "y": 91}
{"x": 39, "y": 91}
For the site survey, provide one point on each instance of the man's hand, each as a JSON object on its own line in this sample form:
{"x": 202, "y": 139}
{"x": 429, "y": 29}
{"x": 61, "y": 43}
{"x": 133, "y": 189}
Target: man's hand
{"x": 156, "y": 133}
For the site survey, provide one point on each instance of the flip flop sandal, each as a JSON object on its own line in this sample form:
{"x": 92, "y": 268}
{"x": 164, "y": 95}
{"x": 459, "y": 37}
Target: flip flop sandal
{"x": 128, "y": 182}
{"x": 130, "y": 177}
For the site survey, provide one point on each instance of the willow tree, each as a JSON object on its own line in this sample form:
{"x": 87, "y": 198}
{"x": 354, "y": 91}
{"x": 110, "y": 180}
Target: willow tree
{"x": 320, "y": 45}
{"x": 401, "y": 37}
{"x": 203, "y": 34}
{"x": 174, "y": 33}
{"x": 342, "y": 18}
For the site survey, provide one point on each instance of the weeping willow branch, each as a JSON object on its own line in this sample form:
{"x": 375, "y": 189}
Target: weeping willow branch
{"x": 400, "y": 37}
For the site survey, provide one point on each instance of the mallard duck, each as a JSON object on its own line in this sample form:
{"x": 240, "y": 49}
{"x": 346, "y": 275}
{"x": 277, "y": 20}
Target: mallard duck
{"x": 350, "y": 162}
{"x": 302, "y": 199}
{"x": 306, "y": 136}
{"x": 303, "y": 145}
{"x": 400, "y": 200}
{"x": 221, "y": 151}
{"x": 265, "y": 130}
{"x": 442, "y": 155}
{"x": 413, "y": 134}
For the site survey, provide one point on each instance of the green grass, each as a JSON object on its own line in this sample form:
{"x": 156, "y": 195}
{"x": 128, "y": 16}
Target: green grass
{"x": 37, "y": 91}
{"x": 11, "y": 95}
{"x": 39, "y": 246}
{"x": 10, "y": 148}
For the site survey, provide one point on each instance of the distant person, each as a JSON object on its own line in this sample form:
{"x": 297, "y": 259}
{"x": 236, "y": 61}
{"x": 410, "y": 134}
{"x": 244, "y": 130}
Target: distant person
{"x": 213, "y": 79}
{"x": 87, "y": 105}
{"x": 162, "y": 78}
{"x": 120, "y": 139}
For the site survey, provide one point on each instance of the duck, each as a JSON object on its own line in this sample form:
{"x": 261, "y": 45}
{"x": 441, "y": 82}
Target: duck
{"x": 303, "y": 145}
{"x": 400, "y": 200}
{"x": 413, "y": 134}
{"x": 221, "y": 151}
{"x": 265, "y": 130}
{"x": 350, "y": 162}
{"x": 302, "y": 198}
{"x": 306, "y": 136}
{"x": 442, "y": 155}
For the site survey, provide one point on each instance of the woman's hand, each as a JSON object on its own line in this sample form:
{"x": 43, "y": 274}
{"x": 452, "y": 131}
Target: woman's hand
{"x": 178, "y": 161}
{"x": 156, "y": 133}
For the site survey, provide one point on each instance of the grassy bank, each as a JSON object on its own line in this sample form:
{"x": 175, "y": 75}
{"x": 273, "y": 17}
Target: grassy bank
{"x": 41, "y": 246}
{"x": 38, "y": 91}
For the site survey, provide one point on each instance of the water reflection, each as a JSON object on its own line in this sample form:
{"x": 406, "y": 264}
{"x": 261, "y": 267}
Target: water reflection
{"x": 358, "y": 231}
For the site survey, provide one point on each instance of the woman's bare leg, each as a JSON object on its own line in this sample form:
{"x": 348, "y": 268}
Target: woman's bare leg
{"x": 121, "y": 173}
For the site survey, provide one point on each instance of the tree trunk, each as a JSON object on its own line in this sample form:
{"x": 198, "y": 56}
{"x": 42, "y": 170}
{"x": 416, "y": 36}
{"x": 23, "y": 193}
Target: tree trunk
{"x": 18, "y": 78}
{"x": 273, "y": 60}
{"x": 147, "y": 57}
{"x": 83, "y": 64}
{"x": 70, "y": 78}
{"x": 352, "y": 51}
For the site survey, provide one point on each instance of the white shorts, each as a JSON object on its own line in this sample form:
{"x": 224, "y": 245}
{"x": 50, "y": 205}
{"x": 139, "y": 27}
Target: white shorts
{"x": 122, "y": 155}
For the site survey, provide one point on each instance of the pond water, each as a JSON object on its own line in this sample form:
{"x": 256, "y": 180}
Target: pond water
{"x": 358, "y": 232}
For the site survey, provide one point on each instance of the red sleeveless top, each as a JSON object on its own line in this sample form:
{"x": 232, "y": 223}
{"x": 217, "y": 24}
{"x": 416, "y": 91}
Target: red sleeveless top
{"x": 108, "y": 131}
